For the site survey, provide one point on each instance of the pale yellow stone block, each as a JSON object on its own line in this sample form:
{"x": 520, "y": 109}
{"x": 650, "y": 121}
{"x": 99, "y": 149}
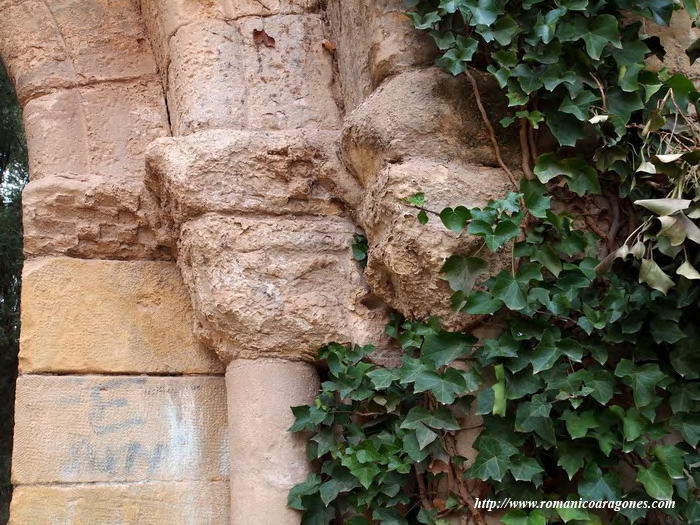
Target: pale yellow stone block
{"x": 84, "y": 316}
{"x": 74, "y": 429}
{"x": 157, "y": 503}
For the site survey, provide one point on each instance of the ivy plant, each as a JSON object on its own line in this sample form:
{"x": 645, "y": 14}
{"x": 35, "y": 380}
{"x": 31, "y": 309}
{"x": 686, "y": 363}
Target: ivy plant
{"x": 591, "y": 389}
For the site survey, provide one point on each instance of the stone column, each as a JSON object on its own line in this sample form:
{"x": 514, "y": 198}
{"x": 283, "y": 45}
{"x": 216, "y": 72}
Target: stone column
{"x": 263, "y": 248}
{"x": 266, "y": 460}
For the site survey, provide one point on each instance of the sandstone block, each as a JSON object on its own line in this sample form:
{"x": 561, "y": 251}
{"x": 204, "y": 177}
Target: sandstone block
{"x": 374, "y": 40}
{"x": 276, "y": 287}
{"x": 241, "y": 8}
{"x": 73, "y": 429}
{"x": 94, "y": 218}
{"x": 439, "y": 148}
{"x": 88, "y": 316}
{"x": 443, "y": 123}
{"x": 206, "y": 81}
{"x": 257, "y": 410}
{"x": 226, "y": 171}
{"x": 289, "y": 85}
{"x": 152, "y": 503}
{"x": 405, "y": 257}
{"x": 220, "y": 77}
{"x": 97, "y": 130}
{"x": 63, "y": 43}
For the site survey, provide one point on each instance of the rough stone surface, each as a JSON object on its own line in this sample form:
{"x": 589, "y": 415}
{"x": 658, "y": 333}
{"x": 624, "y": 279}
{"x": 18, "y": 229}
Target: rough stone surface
{"x": 439, "y": 148}
{"x": 164, "y": 18}
{"x": 373, "y": 40}
{"x": 94, "y": 218}
{"x": 86, "y": 156}
{"x": 156, "y": 503}
{"x": 257, "y": 410}
{"x": 205, "y": 77}
{"x": 64, "y": 43}
{"x": 226, "y": 171}
{"x": 73, "y": 429}
{"x": 96, "y": 130}
{"x": 113, "y": 319}
{"x": 676, "y": 38}
{"x": 218, "y": 76}
{"x": 405, "y": 257}
{"x": 276, "y": 287}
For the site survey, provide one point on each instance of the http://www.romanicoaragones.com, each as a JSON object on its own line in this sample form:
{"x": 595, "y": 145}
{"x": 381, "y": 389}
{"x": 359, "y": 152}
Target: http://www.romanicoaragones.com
{"x": 508, "y": 503}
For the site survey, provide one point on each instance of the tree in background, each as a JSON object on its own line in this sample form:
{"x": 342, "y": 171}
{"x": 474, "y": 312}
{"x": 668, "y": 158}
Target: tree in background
{"x": 13, "y": 177}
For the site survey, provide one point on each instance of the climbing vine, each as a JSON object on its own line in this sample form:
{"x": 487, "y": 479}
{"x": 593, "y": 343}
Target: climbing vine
{"x": 591, "y": 389}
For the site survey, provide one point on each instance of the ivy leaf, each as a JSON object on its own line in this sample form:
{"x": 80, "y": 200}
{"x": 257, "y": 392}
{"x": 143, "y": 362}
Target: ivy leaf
{"x": 307, "y": 487}
{"x": 603, "y": 30}
{"x": 535, "y": 196}
{"x": 526, "y": 469}
{"x": 651, "y": 274}
{"x": 623, "y": 104}
{"x": 689, "y": 427}
{"x": 462, "y": 272}
{"x": 580, "y": 105}
{"x": 666, "y": 331}
{"x": 482, "y": 303}
{"x": 440, "y": 419}
{"x": 417, "y": 199}
{"x": 382, "y": 377}
{"x": 455, "y": 219}
{"x": 572, "y": 458}
{"x": 481, "y": 12}
{"x": 493, "y": 459}
{"x": 444, "y": 347}
{"x": 642, "y": 379}
{"x": 671, "y": 457}
{"x": 568, "y": 515}
{"x": 510, "y": 291}
{"x": 656, "y": 481}
{"x": 534, "y": 416}
{"x": 596, "y": 486}
{"x": 602, "y": 382}
{"x": 578, "y": 424}
{"x": 549, "y": 166}
{"x": 664, "y": 206}
{"x": 505, "y": 29}
{"x": 545, "y": 353}
{"x": 661, "y": 10}
{"x": 685, "y": 359}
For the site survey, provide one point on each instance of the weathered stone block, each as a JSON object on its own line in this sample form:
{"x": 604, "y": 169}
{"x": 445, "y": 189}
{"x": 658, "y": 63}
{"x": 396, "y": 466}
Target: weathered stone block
{"x": 220, "y": 77}
{"x": 405, "y": 257}
{"x": 289, "y": 85}
{"x": 440, "y": 148}
{"x": 206, "y": 83}
{"x": 115, "y": 317}
{"x": 97, "y": 130}
{"x": 225, "y": 171}
{"x": 240, "y": 8}
{"x": 276, "y": 287}
{"x": 63, "y": 43}
{"x": 72, "y": 429}
{"x": 374, "y": 40}
{"x": 153, "y": 503}
{"x": 94, "y": 218}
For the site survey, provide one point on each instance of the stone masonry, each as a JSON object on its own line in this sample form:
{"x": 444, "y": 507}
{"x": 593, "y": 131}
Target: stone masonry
{"x": 198, "y": 171}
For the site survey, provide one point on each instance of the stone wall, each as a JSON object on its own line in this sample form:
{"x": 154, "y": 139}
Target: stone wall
{"x": 121, "y": 411}
{"x": 198, "y": 171}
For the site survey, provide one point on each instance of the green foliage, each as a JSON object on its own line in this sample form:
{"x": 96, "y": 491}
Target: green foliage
{"x": 13, "y": 176}
{"x": 597, "y": 363}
